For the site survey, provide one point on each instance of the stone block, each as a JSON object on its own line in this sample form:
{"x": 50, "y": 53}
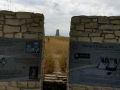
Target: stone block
{"x": 31, "y": 84}
{"x": 9, "y": 16}
{"x": 97, "y": 33}
{"x": 94, "y": 20}
{"x": 13, "y": 84}
{"x": 2, "y": 88}
{"x": 15, "y": 21}
{"x": 36, "y": 29}
{"x": 104, "y": 20}
{"x": 85, "y": 20}
{"x": 8, "y": 35}
{"x": 23, "y": 28}
{"x": 115, "y": 22}
{"x": 7, "y": 12}
{"x": 18, "y": 35}
{"x": 12, "y": 88}
{"x": 41, "y": 23}
{"x": 110, "y": 27}
{"x": 97, "y": 39}
{"x": 84, "y": 39}
{"x": 106, "y": 31}
{"x": 73, "y": 38}
{"x": 38, "y": 15}
{"x": 10, "y": 29}
{"x": 4, "y": 84}
{"x": 80, "y": 27}
{"x": 22, "y": 84}
{"x": 36, "y": 19}
{"x": 1, "y": 17}
{"x": 1, "y": 22}
{"x": 114, "y": 17}
{"x": 75, "y": 20}
{"x": 41, "y": 36}
{"x": 1, "y": 26}
{"x": 37, "y": 84}
{"x": 110, "y": 40}
{"x": 1, "y": 33}
{"x": 34, "y": 24}
{"x": 91, "y": 25}
{"x": 29, "y": 20}
{"x": 78, "y": 33}
{"x": 109, "y": 36}
{"x": 88, "y": 30}
{"x": 30, "y": 36}
{"x": 23, "y": 15}
{"x": 117, "y": 33}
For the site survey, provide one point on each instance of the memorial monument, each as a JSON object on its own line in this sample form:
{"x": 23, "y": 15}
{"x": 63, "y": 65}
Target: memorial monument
{"x": 57, "y": 32}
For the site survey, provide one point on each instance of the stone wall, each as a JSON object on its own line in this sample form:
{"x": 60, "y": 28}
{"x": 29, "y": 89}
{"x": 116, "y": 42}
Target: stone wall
{"x": 94, "y": 29}
{"x": 22, "y": 25}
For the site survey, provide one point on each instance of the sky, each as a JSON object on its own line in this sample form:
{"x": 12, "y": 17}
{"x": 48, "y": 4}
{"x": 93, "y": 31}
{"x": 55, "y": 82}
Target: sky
{"x": 58, "y": 13}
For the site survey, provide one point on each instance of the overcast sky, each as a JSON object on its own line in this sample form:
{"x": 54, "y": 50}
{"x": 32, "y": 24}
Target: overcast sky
{"x": 58, "y": 13}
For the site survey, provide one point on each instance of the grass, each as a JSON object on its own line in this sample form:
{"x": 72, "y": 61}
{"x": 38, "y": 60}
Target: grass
{"x": 57, "y": 46}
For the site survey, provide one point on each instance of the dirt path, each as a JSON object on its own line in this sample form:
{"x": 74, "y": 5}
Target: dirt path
{"x": 57, "y": 66}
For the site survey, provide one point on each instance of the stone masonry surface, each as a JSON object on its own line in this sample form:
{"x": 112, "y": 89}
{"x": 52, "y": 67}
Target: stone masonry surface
{"x": 22, "y": 25}
{"x": 94, "y": 29}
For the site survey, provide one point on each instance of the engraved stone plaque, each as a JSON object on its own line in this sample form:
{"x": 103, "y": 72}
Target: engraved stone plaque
{"x": 20, "y": 59}
{"x": 96, "y": 64}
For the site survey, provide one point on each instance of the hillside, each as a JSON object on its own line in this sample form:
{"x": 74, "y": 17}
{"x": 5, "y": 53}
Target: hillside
{"x": 56, "y": 52}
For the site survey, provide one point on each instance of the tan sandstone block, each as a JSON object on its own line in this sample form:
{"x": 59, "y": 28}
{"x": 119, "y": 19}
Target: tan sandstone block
{"x": 31, "y": 84}
{"x": 85, "y": 20}
{"x": 109, "y": 36}
{"x": 117, "y": 33}
{"x": 106, "y": 31}
{"x": 1, "y": 33}
{"x": 11, "y": 29}
{"x": 7, "y": 12}
{"x": 8, "y": 35}
{"x": 9, "y": 16}
{"x": 103, "y": 20}
{"x": 78, "y": 33}
{"x": 110, "y": 40}
{"x": 41, "y": 23}
{"x": 15, "y": 21}
{"x": 30, "y": 36}
{"x": 91, "y": 25}
{"x": 36, "y": 19}
{"x": 22, "y": 84}
{"x": 23, "y": 15}
{"x": 97, "y": 39}
{"x": 97, "y": 33}
{"x": 36, "y": 29}
{"x": 41, "y": 36}
{"x": 23, "y": 28}
{"x": 13, "y": 84}
{"x": 29, "y": 20}
{"x": 37, "y": 84}
{"x": 34, "y": 24}
{"x": 1, "y": 17}
{"x": 115, "y": 22}
{"x": 38, "y": 15}
{"x": 73, "y": 39}
{"x": 84, "y": 39}
{"x": 88, "y": 30}
{"x": 114, "y": 17}
{"x": 18, "y": 35}
{"x": 110, "y": 27}
{"x": 80, "y": 27}
{"x": 75, "y": 20}
{"x": 4, "y": 84}
{"x": 12, "y": 88}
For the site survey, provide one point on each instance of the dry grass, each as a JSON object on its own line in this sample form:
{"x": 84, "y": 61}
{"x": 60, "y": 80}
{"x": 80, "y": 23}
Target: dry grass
{"x": 56, "y": 46}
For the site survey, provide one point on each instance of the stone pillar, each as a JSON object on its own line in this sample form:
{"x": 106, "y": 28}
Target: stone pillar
{"x": 57, "y": 32}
